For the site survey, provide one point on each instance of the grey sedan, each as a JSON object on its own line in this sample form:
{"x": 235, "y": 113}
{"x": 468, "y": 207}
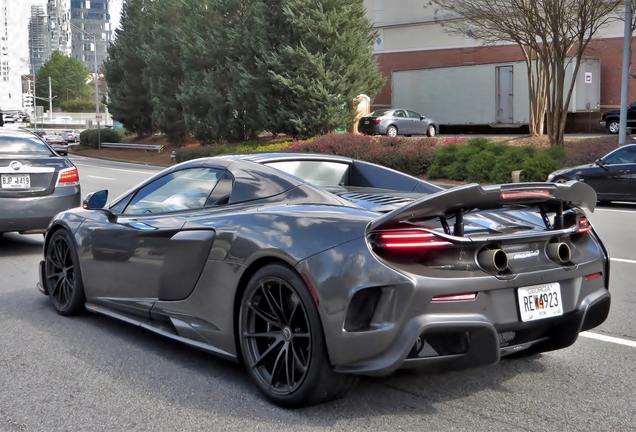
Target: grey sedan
{"x": 394, "y": 122}
{"x": 35, "y": 183}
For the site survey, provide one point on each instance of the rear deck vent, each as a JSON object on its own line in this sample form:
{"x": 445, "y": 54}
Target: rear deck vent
{"x": 378, "y": 199}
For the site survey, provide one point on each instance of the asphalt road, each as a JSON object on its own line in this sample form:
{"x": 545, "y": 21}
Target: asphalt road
{"x": 91, "y": 373}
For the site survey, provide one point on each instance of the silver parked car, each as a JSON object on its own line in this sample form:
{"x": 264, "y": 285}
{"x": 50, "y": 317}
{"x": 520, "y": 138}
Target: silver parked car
{"x": 394, "y": 122}
{"x": 35, "y": 183}
{"x": 70, "y": 135}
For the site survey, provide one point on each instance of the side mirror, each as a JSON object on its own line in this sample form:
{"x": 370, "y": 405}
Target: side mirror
{"x": 422, "y": 117}
{"x": 95, "y": 200}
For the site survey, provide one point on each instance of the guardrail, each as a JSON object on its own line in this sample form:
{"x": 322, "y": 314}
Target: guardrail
{"x": 156, "y": 147}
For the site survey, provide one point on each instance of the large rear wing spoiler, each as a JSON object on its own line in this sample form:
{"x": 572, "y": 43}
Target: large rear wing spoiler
{"x": 453, "y": 202}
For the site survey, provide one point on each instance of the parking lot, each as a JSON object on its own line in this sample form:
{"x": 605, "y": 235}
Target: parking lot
{"x": 92, "y": 373}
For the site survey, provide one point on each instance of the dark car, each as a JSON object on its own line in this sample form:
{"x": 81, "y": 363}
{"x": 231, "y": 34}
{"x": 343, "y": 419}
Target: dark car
{"x": 312, "y": 269}
{"x": 611, "y": 119}
{"x": 394, "y": 122}
{"x": 35, "y": 182}
{"x": 613, "y": 176}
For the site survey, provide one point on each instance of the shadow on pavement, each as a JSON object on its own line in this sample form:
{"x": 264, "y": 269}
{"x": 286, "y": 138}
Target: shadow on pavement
{"x": 13, "y": 244}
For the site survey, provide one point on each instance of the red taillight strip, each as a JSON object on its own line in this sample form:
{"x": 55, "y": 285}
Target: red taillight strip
{"x": 455, "y": 297}
{"x": 525, "y": 194}
{"x": 410, "y": 239}
{"x": 584, "y": 226}
{"x": 591, "y": 277}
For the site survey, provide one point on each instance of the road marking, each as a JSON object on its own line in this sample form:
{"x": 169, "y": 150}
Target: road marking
{"x": 101, "y": 178}
{"x": 628, "y": 261}
{"x": 611, "y": 339}
{"x": 616, "y": 210}
{"x": 148, "y": 173}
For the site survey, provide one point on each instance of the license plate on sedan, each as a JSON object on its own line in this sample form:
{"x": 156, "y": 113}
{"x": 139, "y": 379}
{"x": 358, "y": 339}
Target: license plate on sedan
{"x": 366, "y": 122}
{"x": 540, "y": 301}
{"x": 16, "y": 181}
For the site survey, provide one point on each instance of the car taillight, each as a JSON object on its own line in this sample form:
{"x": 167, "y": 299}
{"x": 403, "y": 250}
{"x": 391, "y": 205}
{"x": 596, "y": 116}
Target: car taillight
{"x": 525, "y": 194}
{"x": 378, "y": 120}
{"x": 455, "y": 297}
{"x": 68, "y": 177}
{"x": 584, "y": 226}
{"x": 407, "y": 240}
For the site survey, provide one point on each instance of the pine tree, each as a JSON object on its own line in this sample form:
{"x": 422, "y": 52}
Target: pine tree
{"x": 317, "y": 58}
{"x": 124, "y": 69}
{"x": 162, "y": 53}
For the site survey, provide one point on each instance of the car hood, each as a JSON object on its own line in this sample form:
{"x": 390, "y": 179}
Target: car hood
{"x": 570, "y": 170}
{"x": 612, "y": 113}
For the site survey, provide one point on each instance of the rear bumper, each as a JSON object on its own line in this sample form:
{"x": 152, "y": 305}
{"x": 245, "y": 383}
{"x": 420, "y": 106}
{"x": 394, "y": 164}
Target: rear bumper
{"x": 448, "y": 342}
{"x": 388, "y": 320}
{"x": 371, "y": 128}
{"x": 35, "y": 213}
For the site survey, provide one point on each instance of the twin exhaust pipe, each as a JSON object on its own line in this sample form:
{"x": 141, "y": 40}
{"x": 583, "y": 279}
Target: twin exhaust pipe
{"x": 496, "y": 260}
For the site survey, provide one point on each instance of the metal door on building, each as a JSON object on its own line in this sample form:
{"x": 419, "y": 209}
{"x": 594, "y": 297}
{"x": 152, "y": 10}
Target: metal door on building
{"x": 505, "y": 94}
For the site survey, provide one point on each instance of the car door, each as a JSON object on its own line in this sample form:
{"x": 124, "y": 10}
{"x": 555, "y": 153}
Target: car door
{"x": 418, "y": 124}
{"x": 403, "y": 122}
{"x": 126, "y": 257}
{"x": 614, "y": 179}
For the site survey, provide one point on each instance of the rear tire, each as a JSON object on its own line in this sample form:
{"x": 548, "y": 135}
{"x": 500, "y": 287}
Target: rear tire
{"x": 282, "y": 341}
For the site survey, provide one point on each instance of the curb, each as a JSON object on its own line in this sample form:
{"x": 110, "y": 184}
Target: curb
{"x": 119, "y": 160}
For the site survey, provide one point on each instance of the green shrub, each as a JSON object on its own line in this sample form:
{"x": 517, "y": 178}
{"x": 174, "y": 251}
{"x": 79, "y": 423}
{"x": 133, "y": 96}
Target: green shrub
{"x": 483, "y": 161}
{"x": 216, "y": 150}
{"x": 88, "y": 138}
{"x": 410, "y": 155}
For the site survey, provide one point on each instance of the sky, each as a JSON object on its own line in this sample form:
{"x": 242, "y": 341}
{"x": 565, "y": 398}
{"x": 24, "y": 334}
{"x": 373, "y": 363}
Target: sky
{"x": 19, "y": 12}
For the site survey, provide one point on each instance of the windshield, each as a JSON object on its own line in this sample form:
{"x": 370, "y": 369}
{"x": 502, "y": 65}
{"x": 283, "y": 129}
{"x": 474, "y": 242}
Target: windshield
{"x": 378, "y": 113}
{"x": 22, "y": 145}
{"x": 319, "y": 173}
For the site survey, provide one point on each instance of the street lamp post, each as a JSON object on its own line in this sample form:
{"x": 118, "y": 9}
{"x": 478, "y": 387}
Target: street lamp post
{"x": 97, "y": 115}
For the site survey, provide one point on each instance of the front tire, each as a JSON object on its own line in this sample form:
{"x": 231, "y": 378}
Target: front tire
{"x": 613, "y": 126}
{"x": 392, "y": 132}
{"x": 63, "y": 275}
{"x": 431, "y": 131}
{"x": 282, "y": 341}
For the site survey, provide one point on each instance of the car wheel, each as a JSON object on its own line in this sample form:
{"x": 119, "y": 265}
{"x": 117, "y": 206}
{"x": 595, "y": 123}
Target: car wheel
{"x": 613, "y": 126}
{"x": 282, "y": 341}
{"x": 63, "y": 275}
{"x": 392, "y": 131}
{"x": 430, "y": 131}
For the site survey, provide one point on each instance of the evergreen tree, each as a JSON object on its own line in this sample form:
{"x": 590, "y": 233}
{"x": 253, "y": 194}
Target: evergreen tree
{"x": 129, "y": 97}
{"x": 317, "y": 57}
{"x": 218, "y": 92}
{"x": 162, "y": 53}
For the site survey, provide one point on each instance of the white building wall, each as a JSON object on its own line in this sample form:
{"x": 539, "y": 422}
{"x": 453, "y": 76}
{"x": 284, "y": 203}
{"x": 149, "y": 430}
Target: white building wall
{"x": 413, "y": 25}
{"x": 10, "y": 84}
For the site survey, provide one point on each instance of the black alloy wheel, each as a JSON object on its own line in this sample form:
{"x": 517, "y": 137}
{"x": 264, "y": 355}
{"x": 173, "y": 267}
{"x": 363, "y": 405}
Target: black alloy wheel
{"x": 63, "y": 276}
{"x": 282, "y": 342}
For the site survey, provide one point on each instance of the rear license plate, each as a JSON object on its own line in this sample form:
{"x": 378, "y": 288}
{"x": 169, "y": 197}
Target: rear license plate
{"x": 540, "y": 301}
{"x": 16, "y": 181}
{"x": 366, "y": 122}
